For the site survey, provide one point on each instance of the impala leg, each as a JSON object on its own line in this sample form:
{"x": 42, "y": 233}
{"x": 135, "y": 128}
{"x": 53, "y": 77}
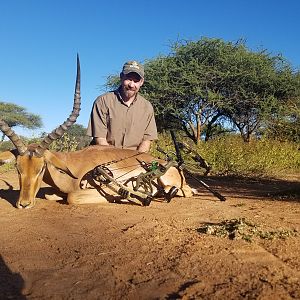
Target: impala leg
{"x": 55, "y": 196}
{"x": 186, "y": 191}
{"x": 173, "y": 177}
{"x": 89, "y": 196}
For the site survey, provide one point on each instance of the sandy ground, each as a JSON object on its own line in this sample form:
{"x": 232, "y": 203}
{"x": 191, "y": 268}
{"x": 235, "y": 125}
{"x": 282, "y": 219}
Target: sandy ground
{"x": 176, "y": 250}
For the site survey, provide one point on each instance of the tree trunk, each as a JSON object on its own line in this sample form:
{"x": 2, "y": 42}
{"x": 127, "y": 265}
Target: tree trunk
{"x": 198, "y": 137}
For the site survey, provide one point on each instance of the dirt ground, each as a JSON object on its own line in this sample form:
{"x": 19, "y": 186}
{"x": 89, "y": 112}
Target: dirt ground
{"x": 184, "y": 249}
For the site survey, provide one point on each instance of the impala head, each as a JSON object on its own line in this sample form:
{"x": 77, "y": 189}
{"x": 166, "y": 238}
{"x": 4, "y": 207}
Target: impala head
{"x": 31, "y": 160}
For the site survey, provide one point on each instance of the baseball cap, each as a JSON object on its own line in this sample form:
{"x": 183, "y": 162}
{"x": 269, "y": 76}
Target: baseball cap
{"x": 133, "y": 66}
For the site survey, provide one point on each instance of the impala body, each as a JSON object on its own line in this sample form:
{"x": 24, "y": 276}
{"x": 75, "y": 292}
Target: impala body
{"x": 70, "y": 173}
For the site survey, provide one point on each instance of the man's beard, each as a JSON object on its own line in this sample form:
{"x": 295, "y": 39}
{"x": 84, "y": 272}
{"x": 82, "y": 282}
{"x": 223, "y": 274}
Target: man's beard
{"x": 128, "y": 93}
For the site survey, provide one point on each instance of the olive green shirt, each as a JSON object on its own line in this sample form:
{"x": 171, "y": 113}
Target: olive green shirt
{"x": 122, "y": 126}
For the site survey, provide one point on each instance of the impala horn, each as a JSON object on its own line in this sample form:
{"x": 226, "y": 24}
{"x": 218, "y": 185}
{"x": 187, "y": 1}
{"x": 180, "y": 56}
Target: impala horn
{"x": 60, "y": 130}
{"x": 13, "y": 137}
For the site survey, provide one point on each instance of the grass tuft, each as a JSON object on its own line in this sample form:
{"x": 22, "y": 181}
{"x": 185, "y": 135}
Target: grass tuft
{"x": 242, "y": 229}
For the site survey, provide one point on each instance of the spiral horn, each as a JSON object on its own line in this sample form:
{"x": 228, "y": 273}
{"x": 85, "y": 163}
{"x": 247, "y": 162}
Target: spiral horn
{"x": 13, "y": 137}
{"x": 61, "y": 129}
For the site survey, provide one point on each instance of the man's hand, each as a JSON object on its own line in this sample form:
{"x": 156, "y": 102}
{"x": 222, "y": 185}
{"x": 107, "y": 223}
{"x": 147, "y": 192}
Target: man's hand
{"x": 144, "y": 146}
{"x": 101, "y": 141}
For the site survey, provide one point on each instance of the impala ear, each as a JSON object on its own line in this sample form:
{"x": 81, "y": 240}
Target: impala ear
{"x": 7, "y": 157}
{"x": 57, "y": 163}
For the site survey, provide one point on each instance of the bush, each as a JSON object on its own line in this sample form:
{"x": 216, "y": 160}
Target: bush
{"x": 7, "y": 167}
{"x": 6, "y": 145}
{"x": 66, "y": 143}
{"x": 231, "y": 156}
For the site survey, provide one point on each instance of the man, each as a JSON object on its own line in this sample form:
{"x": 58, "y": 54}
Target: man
{"x": 124, "y": 118}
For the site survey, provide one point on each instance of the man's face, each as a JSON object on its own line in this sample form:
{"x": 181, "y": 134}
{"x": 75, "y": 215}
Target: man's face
{"x": 131, "y": 84}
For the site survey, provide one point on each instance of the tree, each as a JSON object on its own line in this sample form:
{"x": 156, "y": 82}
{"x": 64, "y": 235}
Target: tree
{"x": 15, "y": 115}
{"x": 203, "y": 84}
{"x": 256, "y": 92}
{"x": 285, "y": 124}
{"x": 180, "y": 94}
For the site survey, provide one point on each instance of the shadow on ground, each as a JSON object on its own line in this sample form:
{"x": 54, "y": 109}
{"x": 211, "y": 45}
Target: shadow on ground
{"x": 274, "y": 189}
{"x": 11, "y": 284}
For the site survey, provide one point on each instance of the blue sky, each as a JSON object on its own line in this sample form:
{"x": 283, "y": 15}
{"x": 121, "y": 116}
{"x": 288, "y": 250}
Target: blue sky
{"x": 40, "y": 40}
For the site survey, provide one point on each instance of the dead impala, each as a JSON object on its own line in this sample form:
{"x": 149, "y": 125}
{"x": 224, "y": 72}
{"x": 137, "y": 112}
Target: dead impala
{"x": 92, "y": 175}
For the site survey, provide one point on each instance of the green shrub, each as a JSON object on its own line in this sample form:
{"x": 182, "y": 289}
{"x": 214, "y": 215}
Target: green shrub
{"x": 6, "y": 145}
{"x": 7, "y": 167}
{"x": 231, "y": 156}
{"x": 66, "y": 143}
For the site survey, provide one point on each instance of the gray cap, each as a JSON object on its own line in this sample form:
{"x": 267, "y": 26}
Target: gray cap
{"x": 133, "y": 66}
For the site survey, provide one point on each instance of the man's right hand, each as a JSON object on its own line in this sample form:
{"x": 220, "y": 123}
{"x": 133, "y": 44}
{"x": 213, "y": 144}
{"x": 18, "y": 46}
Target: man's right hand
{"x": 101, "y": 141}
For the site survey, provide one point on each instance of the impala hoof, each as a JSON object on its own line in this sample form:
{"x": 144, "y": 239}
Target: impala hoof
{"x": 26, "y": 205}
